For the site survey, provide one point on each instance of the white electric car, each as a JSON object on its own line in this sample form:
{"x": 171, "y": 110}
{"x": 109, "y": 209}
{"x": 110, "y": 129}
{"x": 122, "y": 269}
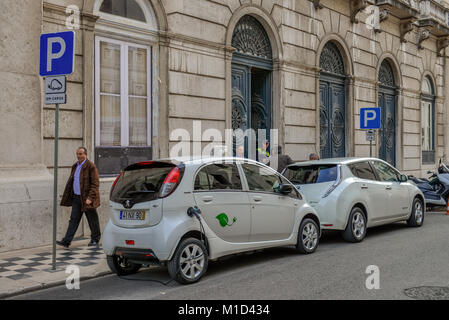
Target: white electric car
{"x": 184, "y": 213}
{"x": 353, "y": 194}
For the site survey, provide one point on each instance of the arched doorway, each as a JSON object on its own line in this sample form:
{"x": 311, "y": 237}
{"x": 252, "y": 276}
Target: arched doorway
{"x": 252, "y": 65}
{"x": 387, "y": 103}
{"x": 332, "y": 103}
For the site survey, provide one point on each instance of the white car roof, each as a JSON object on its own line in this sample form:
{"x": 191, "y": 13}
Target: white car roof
{"x": 344, "y": 161}
{"x": 198, "y": 160}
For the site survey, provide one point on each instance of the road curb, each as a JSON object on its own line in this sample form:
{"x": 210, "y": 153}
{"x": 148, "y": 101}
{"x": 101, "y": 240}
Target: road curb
{"x": 49, "y": 285}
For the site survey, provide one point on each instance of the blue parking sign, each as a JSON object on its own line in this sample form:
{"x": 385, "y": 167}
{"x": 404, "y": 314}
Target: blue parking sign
{"x": 57, "y": 54}
{"x": 370, "y": 118}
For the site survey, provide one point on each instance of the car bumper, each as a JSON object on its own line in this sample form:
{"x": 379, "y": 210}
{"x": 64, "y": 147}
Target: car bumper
{"x": 332, "y": 216}
{"x": 140, "y": 256}
{"x": 149, "y": 240}
{"x": 161, "y": 239}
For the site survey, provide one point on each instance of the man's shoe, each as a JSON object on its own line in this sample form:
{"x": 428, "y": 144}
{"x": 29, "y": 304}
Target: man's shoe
{"x": 63, "y": 244}
{"x": 93, "y": 243}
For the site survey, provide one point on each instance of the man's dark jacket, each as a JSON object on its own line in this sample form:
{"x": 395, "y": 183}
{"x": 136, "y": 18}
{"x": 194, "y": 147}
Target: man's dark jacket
{"x": 283, "y": 162}
{"x": 89, "y": 185}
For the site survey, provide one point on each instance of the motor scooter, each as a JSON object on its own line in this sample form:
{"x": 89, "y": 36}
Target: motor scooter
{"x": 436, "y": 187}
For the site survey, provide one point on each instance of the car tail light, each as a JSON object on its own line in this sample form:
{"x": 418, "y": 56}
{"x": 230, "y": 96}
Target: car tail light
{"x": 170, "y": 183}
{"x": 130, "y": 242}
{"x": 336, "y": 184}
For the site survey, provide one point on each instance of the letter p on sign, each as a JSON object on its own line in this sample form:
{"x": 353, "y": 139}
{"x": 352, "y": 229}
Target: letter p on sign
{"x": 57, "y": 54}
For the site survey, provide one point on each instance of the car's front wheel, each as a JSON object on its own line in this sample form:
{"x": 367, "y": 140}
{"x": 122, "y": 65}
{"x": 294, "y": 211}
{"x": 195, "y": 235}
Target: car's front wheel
{"x": 121, "y": 266}
{"x": 356, "y": 228}
{"x": 308, "y": 237}
{"x": 190, "y": 261}
{"x": 417, "y": 216}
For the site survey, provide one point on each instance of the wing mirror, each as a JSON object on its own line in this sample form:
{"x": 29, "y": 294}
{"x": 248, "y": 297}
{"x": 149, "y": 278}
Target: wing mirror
{"x": 404, "y": 178}
{"x": 285, "y": 189}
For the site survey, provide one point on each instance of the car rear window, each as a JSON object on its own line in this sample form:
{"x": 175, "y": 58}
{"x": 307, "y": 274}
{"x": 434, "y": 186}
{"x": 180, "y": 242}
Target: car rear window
{"x": 311, "y": 174}
{"x": 141, "y": 185}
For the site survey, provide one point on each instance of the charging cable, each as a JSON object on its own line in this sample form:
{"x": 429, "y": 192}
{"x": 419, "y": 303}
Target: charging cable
{"x": 195, "y": 211}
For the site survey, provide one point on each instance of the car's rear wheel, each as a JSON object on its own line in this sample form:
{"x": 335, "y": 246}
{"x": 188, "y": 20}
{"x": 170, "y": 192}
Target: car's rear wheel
{"x": 308, "y": 236}
{"x": 356, "y": 228}
{"x": 417, "y": 216}
{"x": 190, "y": 261}
{"x": 121, "y": 266}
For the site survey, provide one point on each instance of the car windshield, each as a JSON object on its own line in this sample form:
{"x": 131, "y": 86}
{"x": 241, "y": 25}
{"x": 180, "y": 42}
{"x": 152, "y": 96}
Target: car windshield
{"x": 311, "y": 174}
{"x": 141, "y": 184}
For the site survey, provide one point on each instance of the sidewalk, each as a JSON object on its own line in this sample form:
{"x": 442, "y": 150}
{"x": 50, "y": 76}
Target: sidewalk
{"x": 28, "y": 270}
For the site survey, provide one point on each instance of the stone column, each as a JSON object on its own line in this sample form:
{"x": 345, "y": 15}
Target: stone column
{"x": 25, "y": 183}
{"x": 161, "y": 146}
{"x": 446, "y": 108}
{"x": 20, "y": 100}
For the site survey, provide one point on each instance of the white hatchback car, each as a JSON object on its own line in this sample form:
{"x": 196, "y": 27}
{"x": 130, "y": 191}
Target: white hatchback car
{"x": 185, "y": 213}
{"x": 353, "y": 194}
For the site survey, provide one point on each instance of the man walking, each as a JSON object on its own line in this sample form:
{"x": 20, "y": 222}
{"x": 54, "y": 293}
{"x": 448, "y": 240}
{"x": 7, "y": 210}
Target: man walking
{"x": 83, "y": 195}
{"x": 283, "y": 160}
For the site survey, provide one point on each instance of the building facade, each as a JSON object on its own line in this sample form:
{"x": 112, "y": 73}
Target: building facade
{"x": 147, "y": 68}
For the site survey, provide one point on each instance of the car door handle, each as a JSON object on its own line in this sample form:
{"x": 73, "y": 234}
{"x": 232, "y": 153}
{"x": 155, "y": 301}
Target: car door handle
{"x": 207, "y": 199}
{"x": 257, "y": 199}
{"x": 364, "y": 186}
{"x": 388, "y": 188}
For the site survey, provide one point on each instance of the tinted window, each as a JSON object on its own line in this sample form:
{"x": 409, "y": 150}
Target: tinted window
{"x": 311, "y": 174}
{"x": 362, "y": 170}
{"x": 123, "y": 8}
{"x": 261, "y": 179}
{"x": 385, "y": 172}
{"x": 218, "y": 177}
{"x": 140, "y": 185}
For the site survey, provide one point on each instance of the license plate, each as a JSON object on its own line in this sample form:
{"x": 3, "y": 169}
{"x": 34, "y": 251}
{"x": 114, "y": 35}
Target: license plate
{"x": 132, "y": 215}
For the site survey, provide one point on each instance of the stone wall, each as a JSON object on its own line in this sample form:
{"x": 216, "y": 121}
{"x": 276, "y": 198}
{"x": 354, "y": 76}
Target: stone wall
{"x": 204, "y": 26}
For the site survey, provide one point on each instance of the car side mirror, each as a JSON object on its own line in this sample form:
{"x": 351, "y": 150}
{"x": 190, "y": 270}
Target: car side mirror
{"x": 404, "y": 178}
{"x": 285, "y": 189}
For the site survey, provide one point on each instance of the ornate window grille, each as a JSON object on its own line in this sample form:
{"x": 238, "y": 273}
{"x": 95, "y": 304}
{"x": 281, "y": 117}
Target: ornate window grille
{"x": 251, "y": 39}
{"x": 331, "y": 60}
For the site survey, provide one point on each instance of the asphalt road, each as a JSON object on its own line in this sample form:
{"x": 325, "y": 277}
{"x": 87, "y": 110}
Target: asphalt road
{"x": 406, "y": 258}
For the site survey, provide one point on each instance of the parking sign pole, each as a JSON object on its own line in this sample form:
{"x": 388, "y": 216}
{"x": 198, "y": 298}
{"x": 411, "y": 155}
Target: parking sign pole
{"x": 57, "y": 60}
{"x": 55, "y": 190}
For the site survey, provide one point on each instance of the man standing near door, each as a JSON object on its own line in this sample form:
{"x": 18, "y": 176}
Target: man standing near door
{"x": 83, "y": 195}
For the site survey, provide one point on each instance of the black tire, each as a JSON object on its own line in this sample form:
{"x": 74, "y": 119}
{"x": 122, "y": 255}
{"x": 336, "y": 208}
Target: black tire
{"x": 184, "y": 272}
{"x": 356, "y": 228}
{"x": 308, "y": 236}
{"x": 121, "y": 267}
{"x": 417, "y": 215}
